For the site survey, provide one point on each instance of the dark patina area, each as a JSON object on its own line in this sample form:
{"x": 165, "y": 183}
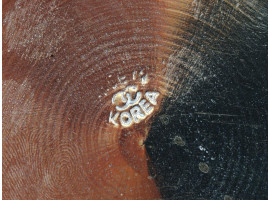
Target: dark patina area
{"x": 211, "y": 142}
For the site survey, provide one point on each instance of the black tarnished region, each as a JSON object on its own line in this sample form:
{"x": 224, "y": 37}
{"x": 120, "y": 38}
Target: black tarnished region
{"x": 222, "y": 124}
{"x": 211, "y": 142}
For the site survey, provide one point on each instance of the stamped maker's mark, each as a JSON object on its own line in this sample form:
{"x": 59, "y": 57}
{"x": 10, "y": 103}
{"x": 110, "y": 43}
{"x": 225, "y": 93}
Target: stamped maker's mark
{"x": 132, "y": 106}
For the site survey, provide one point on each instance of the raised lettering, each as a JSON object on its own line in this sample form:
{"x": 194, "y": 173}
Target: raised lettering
{"x": 146, "y": 107}
{"x": 125, "y": 119}
{"x": 130, "y": 102}
{"x": 113, "y": 119}
{"x": 152, "y": 97}
{"x": 137, "y": 114}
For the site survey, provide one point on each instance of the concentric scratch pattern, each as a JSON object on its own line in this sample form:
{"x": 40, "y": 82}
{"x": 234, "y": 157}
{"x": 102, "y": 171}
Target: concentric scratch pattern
{"x": 218, "y": 108}
{"x": 64, "y": 60}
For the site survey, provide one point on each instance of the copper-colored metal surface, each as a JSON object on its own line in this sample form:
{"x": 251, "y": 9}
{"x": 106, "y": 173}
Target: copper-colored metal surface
{"x": 68, "y": 64}
{"x": 62, "y": 63}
